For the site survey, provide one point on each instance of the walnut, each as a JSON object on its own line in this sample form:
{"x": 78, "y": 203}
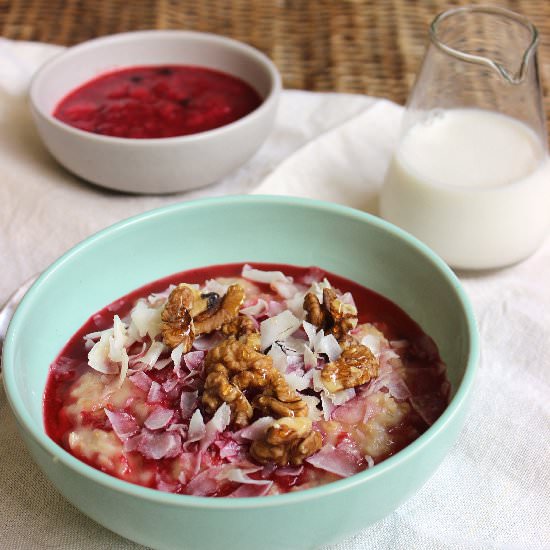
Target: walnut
{"x": 356, "y": 366}
{"x": 218, "y": 389}
{"x": 316, "y": 314}
{"x": 288, "y": 441}
{"x": 232, "y": 367}
{"x": 177, "y": 323}
{"x": 244, "y": 329}
{"x": 227, "y": 310}
{"x": 280, "y": 400}
{"x": 239, "y": 368}
{"x": 188, "y": 313}
{"x": 333, "y": 315}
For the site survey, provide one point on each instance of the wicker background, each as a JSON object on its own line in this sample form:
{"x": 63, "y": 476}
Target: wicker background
{"x": 362, "y": 46}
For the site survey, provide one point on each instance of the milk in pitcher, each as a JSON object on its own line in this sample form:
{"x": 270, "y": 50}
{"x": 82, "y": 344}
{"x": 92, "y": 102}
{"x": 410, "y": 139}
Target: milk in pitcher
{"x": 473, "y": 184}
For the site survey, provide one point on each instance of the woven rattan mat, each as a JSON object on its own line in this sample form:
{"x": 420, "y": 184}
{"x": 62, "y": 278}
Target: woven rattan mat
{"x": 362, "y": 46}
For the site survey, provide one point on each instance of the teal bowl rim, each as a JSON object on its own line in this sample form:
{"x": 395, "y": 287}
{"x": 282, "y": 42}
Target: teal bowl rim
{"x": 59, "y": 454}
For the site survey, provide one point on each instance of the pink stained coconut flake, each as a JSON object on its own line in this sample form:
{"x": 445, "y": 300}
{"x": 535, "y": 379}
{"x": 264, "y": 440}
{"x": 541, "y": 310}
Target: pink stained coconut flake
{"x": 194, "y": 360}
{"x": 141, "y": 381}
{"x": 188, "y": 403}
{"x": 206, "y": 342}
{"x": 397, "y": 387}
{"x": 291, "y": 471}
{"x": 156, "y": 393}
{"x": 246, "y": 491}
{"x": 216, "y": 425}
{"x": 274, "y": 308}
{"x": 197, "y": 428}
{"x": 229, "y": 448}
{"x": 205, "y": 483}
{"x": 155, "y": 446}
{"x": 159, "y": 418}
{"x": 335, "y": 461}
{"x": 124, "y": 425}
{"x": 255, "y": 430}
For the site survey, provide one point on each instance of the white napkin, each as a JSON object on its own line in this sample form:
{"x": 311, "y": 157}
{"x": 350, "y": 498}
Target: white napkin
{"x": 492, "y": 490}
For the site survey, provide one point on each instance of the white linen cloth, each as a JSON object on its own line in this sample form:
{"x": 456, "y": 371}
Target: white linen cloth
{"x": 493, "y": 489}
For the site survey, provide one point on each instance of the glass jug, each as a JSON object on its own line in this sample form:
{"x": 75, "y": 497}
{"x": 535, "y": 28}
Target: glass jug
{"x": 470, "y": 176}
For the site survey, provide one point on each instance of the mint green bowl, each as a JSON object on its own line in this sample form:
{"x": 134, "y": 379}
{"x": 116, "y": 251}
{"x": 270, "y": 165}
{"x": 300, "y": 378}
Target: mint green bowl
{"x": 269, "y": 229}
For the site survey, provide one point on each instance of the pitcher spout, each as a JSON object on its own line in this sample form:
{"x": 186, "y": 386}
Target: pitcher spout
{"x": 512, "y": 66}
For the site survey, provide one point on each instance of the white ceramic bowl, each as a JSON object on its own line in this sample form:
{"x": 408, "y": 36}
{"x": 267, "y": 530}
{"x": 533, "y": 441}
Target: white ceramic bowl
{"x": 163, "y": 165}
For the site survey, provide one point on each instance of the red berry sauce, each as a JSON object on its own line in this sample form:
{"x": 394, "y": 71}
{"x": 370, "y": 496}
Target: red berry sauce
{"x": 157, "y": 102}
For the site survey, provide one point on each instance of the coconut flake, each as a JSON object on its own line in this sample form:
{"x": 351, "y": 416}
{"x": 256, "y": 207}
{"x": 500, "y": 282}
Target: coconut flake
{"x": 296, "y": 305}
{"x": 229, "y": 449}
{"x": 197, "y": 429}
{"x": 255, "y": 430}
{"x": 98, "y": 356}
{"x": 328, "y": 345}
{"x": 257, "y": 309}
{"x": 397, "y": 387}
{"x": 131, "y": 444}
{"x": 213, "y": 285}
{"x": 123, "y": 367}
{"x": 146, "y": 319}
{"x": 153, "y": 353}
{"x": 156, "y": 393}
{"x": 162, "y": 363}
{"x": 117, "y": 340}
{"x": 155, "y": 446}
{"x": 240, "y": 475}
{"x": 246, "y": 491}
{"x": 341, "y": 397}
{"x": 278, "y": 328}
{"x": 156, "y": 297}
{"x": 310, "y": 357}
{"x": 285, "y": 289}
{"x": 205, "y": 483}
{"x": 167, "y": 487}
{"x": 373, "y": 342}
{"x": 188, "y": 403}
{"x": 318, "y": 287}
{"x": 327, "y": 406}
{"x": 216, "y": 425}
{"x": 313, "y": 413}
{"x": 194, "y": 360}
{"x": 311, "y": 332}
{"x": 279, "y": 358}
{"x": 159, "y": 418}
{"x": 176, "y": 355}
{"x": 259, "y": 276}
{"x": 170, "y": 383}
{"x": 141, "y": 381}
{"x": 298, "y": 382}
{"x": 124, "y": 425}
{"x": 206, "y": 342}
{"x": 289, "y": 471}
{"x": 334, "y": 460}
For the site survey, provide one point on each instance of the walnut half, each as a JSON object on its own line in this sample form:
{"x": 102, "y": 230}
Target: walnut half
{"x": 177, "y": 323}
{"x": 235, "y": 367}
{"x": 333, "y": 315}
{"x": 288, "y": 441}
{"x": 356, "y": 366}
{"x": 188, "y": 313}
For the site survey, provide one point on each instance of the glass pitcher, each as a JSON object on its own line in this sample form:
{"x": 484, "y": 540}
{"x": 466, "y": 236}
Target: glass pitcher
{"x": 470, "y": 176}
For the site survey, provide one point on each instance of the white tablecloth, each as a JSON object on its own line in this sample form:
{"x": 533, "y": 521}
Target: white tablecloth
{"x": 492, "y": 490}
